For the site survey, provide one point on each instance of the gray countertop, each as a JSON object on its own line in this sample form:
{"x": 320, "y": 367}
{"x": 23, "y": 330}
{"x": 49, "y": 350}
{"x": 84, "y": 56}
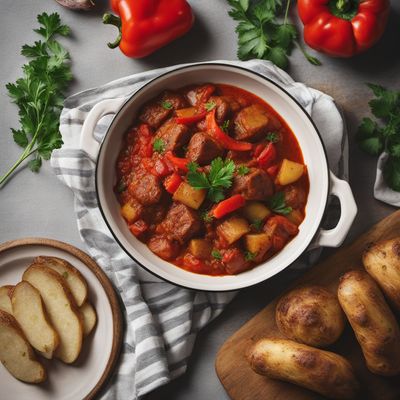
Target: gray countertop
{"x": 40, "y": 205}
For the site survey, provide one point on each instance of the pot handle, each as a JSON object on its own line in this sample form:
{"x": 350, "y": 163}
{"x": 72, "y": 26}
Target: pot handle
{"x": 88, "y": 142}
{"x": 335, "y": 237}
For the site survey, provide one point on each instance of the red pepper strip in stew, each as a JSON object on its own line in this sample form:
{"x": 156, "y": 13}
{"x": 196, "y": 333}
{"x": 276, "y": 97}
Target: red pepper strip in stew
{"x": 229, "y": 205}
{"x": 267, "y": 156}
{"x": 172, "y": 183}
{"x": 192, "y": 119}
{"x": 177, "y": 162}
{"x": 273, "y": 170}
{"x": 226, "y": 141}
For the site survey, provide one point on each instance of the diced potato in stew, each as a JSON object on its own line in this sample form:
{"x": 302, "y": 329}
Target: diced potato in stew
{"x": 211, "y": 179}
{"x": 256, "y": 211}
{"x": 233, "y": 229}
{"x": 289, "y": 172}
{"x": 200, "y": 248}
{"x": 258, "y": 244}
{"x": 189, "y": 196}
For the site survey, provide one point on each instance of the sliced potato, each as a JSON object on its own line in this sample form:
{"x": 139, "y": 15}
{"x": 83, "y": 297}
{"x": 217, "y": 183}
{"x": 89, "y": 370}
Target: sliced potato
{"x": 75, "y": 280}
{"x": 5, "y": 301}
{"x": 16, "y": 353}
{"x": 189, "y": 196}
{"x": 61, "y": 307}
{"x": 200, "y": 248}
{"x": 29, "y": 311}
{"x": 89, "y": 318}
{"x": 258, "y": 244}
{"x": 289, "y": 172}
{"x": 256, "y": 211}
{"x": 233, "y": 229}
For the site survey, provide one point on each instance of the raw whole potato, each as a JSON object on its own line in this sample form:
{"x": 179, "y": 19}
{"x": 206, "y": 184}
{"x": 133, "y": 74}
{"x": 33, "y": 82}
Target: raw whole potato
{"x": 310, "y": 315}
{"x": 373, "y": 323}
{"x": 321, "y": 371}
{"x": 382, "y": 262}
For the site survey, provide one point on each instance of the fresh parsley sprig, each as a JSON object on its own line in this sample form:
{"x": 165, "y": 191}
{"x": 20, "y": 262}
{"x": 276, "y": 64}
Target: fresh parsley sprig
{"x": 262, "y": 33}
{"x": 215, "y": 181}
{"x": 383, "y": 133}
{"x": 39, "y": 94}
{"x": 159, "y": 146}
{"x": 278, "y": 205}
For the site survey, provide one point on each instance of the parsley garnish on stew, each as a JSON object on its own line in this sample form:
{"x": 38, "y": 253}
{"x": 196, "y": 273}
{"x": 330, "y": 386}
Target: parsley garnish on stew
{"x": 257, "y": 224}
{"x": 273, "y": 137}
{"x": 219, "y": 178}
{"x": 383, "y": 133}
{"x": 39, "y": 94}
{"x": 159, "y": 145}
{"x": 225, "y": 125}
{"x": 206, "y": 216}
{"x": 210, "y": 105}
{"x": 216, "y": 254}
{"x": 249, "y": 256}
{"x": 167, "y": 105}
{"x": 242, "y": 170}
{"x": 262, "y": 35}
{"x": 278, "y": 205}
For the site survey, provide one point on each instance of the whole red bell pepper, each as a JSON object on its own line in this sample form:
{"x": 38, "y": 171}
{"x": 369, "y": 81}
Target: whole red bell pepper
{"x": 146, "y": 25}
{"x": 343, "y": 28}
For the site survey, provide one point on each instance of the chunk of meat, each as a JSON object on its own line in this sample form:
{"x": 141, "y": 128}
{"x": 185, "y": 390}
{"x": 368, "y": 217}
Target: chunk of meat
{"x": 235, "y": 261}
{"x": 241, "y": 157}
{"x": 163, "y": 247}
{"x": 295, "y": 196}
{"x": 251, "y": 123}
{"x": 146, "y": 189}
{"x": 203, "y": 149}
{"x": 173, "y": 135}
{"x": 181, "y": 223}
{"x": 222, "y": 108}
{"x": 154, "y": 113}
{"x": 256, "y": 185}
{"x": 200, "y": 94}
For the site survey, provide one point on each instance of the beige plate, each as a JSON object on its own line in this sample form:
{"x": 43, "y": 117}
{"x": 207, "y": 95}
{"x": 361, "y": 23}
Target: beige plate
{"x": 100, "y": 351}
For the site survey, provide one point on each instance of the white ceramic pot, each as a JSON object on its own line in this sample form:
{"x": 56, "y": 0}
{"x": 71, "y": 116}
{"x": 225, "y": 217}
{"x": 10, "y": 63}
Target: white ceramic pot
{"x": 322, "y": 181}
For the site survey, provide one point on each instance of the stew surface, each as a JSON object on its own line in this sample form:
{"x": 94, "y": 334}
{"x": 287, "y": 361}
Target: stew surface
{"x": 212, "y": 179}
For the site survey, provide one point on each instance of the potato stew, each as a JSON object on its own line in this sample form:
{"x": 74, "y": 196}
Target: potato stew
{"x": 211, "y": 179}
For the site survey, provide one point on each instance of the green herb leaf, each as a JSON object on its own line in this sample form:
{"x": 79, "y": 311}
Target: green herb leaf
{"x": 225, "y": 125}
{"x": 210, "y": 105}
{"x": 216, "y": 254}
{"x": 249, "y": 256}
{"x": 39, "y": 94}
{"x": 261, "y": 34}
{"x": 206, "y": 216}
{"x": 121, "y": 187}
{"x": 391, "y": 173}
{"x": 257, "y": 224}
{"x": 273, "y": 137}
{"x": 383, "y": 134}
{"x": 167, "y": 105}
{"x": 219, "y": 177}
{"x": 278, "y": 205}
{"x": 242, "y": 170}
{"x": 159, "y": 146}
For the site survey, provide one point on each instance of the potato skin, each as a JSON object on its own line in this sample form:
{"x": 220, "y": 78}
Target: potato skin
{"x": 321, "y": 371}
{"x": 382, "y": 262}
{"x": 373, "y": 322}
{"x": 310, "y": 315}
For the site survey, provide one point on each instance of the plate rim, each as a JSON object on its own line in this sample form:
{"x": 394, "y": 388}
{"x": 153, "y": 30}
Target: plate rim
{"x": 105, "y": 283}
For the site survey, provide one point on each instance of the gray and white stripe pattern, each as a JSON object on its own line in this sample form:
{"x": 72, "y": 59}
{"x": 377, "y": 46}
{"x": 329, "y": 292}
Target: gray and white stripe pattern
{"x": 162, "y": 320}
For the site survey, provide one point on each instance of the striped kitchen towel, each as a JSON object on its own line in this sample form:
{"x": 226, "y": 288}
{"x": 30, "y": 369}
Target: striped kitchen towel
{"x": 162, "y": 320}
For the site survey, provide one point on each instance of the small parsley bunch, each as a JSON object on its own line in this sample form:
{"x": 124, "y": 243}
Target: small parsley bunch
{"x": 263, "y": 34}
{"x": 383, "y": 133}
{"x": 39, "y": 94}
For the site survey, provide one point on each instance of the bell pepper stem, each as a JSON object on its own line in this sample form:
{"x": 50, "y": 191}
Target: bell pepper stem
{"x": 110, "y": 19}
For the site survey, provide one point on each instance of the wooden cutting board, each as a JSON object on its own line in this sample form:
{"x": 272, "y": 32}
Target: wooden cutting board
{"x": 241, "y": 383}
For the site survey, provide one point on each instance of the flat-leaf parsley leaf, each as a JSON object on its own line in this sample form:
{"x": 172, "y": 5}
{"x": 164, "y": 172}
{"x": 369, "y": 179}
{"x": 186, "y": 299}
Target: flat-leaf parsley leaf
{"x": 278, "y": 205}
